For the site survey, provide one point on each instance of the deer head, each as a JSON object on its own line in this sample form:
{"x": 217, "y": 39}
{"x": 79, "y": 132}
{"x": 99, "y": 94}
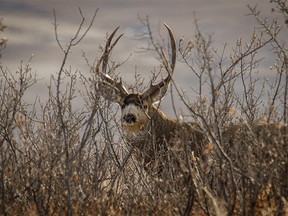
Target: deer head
{"x": 135, "y": 107}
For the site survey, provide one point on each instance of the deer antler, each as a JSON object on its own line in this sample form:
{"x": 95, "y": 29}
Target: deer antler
{"x": 169, "y": 67}
{"x": 115, "y": 91}
{"x": 106, "y": 79}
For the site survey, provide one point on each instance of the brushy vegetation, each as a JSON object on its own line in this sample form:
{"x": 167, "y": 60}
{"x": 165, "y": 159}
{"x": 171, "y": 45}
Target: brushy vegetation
{"x": 57, "y": 158}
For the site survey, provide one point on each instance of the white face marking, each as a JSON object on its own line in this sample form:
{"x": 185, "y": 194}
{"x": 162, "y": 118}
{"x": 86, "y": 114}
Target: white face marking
{"x": 134, "y": 119}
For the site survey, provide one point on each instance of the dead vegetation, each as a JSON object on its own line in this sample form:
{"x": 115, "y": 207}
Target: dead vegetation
{"x": 57, "y": 158}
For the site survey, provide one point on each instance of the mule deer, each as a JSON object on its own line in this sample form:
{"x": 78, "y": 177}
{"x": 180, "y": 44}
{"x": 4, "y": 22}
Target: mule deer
{"x": 145, "y": 126}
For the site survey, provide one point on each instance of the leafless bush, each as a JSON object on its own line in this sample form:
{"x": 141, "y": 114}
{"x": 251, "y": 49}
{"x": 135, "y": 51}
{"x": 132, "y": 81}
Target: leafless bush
{"x": 3, "y": 40}
{"x": 247, "y": 139}
{"x": 59, "y": 158}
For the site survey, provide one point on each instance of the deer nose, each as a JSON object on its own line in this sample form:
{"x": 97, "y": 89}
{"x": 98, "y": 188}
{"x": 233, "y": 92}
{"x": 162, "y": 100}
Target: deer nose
{"x": 129, "y": 118}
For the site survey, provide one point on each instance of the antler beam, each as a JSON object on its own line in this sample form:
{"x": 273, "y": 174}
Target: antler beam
{"x": 169, "y": 67}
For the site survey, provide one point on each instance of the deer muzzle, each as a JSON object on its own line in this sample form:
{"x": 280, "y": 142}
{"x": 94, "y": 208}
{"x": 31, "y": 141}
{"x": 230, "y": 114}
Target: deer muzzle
{"x": 129, "y": 118}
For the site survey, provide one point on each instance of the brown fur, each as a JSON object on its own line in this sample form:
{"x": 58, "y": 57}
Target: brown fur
{"x": 257, "y": 133}
{"x": 159, "y": 133}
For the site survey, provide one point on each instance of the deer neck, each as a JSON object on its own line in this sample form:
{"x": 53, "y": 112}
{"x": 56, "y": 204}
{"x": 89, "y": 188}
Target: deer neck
{"x": 160, "y": 125}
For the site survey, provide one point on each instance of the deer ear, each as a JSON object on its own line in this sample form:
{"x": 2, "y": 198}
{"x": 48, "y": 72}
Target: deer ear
{"x": 111, "y": 92}
{"x": 155, "y": 93}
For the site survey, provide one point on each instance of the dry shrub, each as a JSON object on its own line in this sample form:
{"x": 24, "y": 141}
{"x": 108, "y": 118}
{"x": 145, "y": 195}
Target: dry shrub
{"x": 57, "y": 158}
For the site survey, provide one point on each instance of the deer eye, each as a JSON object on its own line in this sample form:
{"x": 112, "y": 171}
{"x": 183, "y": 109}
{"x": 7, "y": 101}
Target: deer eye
{"x": 144, "y": 106}
{"x": 123, "y": 106}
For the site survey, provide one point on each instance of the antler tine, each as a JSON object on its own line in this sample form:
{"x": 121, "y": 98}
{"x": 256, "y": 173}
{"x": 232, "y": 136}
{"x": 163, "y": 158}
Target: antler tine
{"x": 108, "y": 49}
{"x": 104, "y": 60}
{"x": 173, "y": 47}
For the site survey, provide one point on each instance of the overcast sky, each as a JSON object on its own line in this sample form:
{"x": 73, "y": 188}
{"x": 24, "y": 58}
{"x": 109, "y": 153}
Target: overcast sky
{"x": 30, "y": 30}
